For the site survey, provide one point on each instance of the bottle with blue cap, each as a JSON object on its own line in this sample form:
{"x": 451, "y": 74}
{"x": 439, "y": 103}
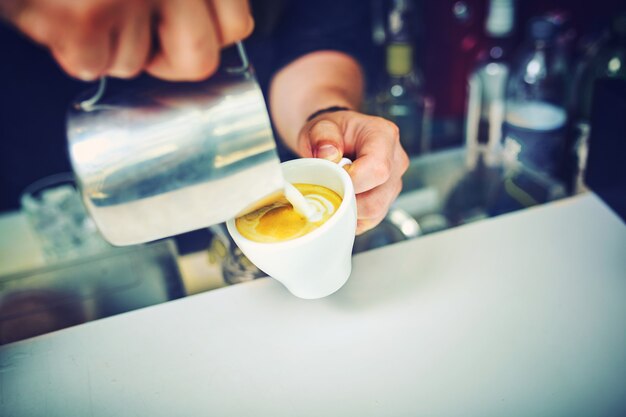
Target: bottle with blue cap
{"x": 536, "y": 117}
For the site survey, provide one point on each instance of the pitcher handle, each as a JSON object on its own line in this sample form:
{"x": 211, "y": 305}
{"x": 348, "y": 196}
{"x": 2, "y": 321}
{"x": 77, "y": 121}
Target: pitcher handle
{"x": 90, "y": 103}
{"x": 245, "y": 63}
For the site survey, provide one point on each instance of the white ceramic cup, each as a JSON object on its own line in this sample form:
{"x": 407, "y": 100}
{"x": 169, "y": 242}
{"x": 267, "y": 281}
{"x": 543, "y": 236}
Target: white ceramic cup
{"x": 319, "y": 263}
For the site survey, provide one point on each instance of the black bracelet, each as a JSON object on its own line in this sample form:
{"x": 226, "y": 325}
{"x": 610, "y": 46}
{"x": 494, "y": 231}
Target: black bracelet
{"x": 330, "y": 109}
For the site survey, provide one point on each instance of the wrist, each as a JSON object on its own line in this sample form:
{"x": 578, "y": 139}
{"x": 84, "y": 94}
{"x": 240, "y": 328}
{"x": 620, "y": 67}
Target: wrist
{"x": 325, "y": 110}
{"x": 323, "y": 104}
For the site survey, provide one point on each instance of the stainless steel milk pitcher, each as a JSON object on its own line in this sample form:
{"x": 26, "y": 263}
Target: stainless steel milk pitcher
{"x": 168, "y": 158}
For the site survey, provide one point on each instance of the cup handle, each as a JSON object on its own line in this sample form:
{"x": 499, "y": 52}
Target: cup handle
{"x": 344, "y": 162}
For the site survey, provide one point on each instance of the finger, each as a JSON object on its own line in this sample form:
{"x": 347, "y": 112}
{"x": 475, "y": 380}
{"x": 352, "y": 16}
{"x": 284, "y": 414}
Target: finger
{"x": 363, "y": 225}
{"x": 133, "y": 44}
{"x": 79, "y": 39}
{"x": 189, "y": 49}
{"x": 373, "y": 205}
{"x": 234, "y": 20}
{"x": 322, "y": 139}
{"x": 10, "y": 10}
{"x": 84, "y": 51}
{"x": 34, "y": 24}
{"x": 375, "y": 153}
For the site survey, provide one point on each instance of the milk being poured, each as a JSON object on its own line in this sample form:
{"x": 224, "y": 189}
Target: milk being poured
{"x": 312, "y": 206}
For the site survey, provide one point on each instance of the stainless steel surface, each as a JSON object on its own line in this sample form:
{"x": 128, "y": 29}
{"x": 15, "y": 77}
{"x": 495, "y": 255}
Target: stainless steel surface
{"x": 437, "y": 185}
{"x": 397, "y": 226}
{"x": 53, "y": 297}
{"x": 167, "y": 158}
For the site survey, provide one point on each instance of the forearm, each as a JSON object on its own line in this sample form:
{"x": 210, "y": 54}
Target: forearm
{"x": 315, "y": 81}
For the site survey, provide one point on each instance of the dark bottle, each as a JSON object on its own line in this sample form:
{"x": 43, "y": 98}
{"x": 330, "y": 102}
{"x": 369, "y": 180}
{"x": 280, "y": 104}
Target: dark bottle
{"x": 605, "y": 59}
{"x": 401, "y": 99}
{"x": 608, "y": 60}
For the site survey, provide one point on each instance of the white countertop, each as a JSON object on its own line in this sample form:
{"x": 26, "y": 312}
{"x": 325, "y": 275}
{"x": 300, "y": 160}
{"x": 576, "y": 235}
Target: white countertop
{"x": 521, "y": 315}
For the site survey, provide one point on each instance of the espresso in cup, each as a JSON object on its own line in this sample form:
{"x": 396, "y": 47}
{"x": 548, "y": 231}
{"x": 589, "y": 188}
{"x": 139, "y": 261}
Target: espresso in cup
{"x": 279, "y": 221}
{"x": 288, "y": 244}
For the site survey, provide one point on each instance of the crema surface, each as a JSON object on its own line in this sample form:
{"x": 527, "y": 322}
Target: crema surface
{"x": 279, "y": 221}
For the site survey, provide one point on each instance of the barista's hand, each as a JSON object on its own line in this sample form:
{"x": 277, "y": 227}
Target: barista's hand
{"x": 379, "y": 160}
{"x": 171, "y": 39}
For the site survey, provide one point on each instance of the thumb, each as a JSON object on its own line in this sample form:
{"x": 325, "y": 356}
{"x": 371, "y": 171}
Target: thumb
{"x": 326, "y": 140}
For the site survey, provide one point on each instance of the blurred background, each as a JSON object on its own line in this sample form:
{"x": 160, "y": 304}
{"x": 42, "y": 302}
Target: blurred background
{"x": 446, "y": 40}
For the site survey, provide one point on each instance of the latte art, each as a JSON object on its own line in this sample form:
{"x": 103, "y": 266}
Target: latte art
{"x": 279, "y": 221}
{"x": 321, "y": 207}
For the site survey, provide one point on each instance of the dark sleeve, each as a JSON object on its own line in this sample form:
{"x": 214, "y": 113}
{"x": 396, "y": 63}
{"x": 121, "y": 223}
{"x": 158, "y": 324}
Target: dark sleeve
{"x": 312, "y": 25}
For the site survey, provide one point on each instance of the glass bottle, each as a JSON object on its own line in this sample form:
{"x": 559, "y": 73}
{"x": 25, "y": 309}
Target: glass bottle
{"x": 487, "y": 85}
{"x": 498, "y": 178}
{"x": 536, "y": 116}
{"x": 401, "y": 99}
{"x": 535, "y": 123}
{"x": 472, "y": 195}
